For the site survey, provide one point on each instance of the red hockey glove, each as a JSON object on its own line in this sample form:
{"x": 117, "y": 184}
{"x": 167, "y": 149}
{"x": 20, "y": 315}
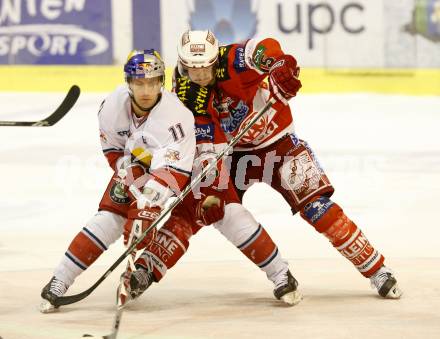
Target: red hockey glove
{"x": 138, "y": 221}
{"x": 211, "y": 207}
{"x": 283, "y": 78}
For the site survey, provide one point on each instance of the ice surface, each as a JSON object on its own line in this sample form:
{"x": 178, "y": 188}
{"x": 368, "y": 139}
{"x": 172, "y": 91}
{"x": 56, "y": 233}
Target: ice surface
{"x": 382, "y": 153}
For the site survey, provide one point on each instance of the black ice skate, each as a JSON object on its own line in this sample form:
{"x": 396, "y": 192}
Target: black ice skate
{"x": 135, "y": 283}
{"x": 386, "y": 284}
{"x": 140, "y": 280}
{"x": 55, "y": 288}
{"x": 287, "y": 290}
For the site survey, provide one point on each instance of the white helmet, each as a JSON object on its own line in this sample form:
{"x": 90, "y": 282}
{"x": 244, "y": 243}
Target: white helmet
{"x": 198, "y": 49}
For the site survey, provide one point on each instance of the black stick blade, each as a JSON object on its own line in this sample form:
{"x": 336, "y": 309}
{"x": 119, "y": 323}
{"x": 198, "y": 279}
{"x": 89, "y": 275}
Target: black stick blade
{"x": 67, "y": 104}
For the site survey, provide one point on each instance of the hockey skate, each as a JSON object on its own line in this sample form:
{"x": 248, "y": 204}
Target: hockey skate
{"x": 286, "y": 290}
{"x": 54, "y": 289}
{"x": 386, "y": 284}
{"x": 135, "y": 283}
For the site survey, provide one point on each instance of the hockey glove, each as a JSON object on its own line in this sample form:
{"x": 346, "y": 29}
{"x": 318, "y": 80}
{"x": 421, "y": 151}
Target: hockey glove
{"x": 211, "y": 207}
{"x": 139, "y": 219}
{"x": 133, "y": 174}
{"x": 283, "y": 78}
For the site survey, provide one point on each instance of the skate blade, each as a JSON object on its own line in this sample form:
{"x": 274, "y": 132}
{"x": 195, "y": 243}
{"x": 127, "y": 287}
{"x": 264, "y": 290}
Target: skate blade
{"x": 394, "y": 293}
{"x": 292, "y": 298}
{"x": 46, "y": 307}
{"x": 110, "y": 336}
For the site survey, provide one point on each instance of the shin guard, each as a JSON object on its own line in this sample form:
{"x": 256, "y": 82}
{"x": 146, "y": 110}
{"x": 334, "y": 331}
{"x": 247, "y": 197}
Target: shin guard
{"x": 100, "y": 232}
{"x": 329, "y": 219}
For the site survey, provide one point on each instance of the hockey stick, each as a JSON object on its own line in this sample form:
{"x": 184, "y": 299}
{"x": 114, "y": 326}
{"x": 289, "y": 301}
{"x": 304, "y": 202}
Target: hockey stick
{"x": 121, "y": 289}
{"x": 70, "y": 299}
{"x": 116, "y": 323}
{"x": 66, "y": 105}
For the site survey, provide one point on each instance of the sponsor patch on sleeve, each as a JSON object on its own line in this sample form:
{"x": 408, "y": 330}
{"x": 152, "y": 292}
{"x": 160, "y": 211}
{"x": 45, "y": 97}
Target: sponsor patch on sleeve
{"x": 260, "y": 60}
{"x": 204, "y": 132}
{"x": 239, "y": 60}
{"x": 172, "y": 156}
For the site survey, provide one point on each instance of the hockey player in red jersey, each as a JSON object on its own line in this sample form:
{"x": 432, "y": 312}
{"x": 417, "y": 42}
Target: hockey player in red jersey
{"x": 229, "y": 82}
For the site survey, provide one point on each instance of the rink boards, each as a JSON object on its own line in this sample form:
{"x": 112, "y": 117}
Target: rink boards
{"x": 315, "y": 80}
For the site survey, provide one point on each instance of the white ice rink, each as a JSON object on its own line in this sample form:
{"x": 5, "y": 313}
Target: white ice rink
{"x": 382, "y": 153}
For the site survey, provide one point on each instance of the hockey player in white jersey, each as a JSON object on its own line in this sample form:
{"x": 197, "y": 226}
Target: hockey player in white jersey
{"x": 139, "y": 121}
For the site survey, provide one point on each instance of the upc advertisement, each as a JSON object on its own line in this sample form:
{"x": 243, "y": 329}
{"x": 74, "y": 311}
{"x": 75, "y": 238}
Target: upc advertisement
{"x": 329, "y": 34}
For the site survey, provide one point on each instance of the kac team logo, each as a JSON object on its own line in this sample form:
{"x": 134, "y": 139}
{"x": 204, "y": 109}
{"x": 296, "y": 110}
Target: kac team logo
{"x": 426, "y": 20}
{"x": 230, "y": 20}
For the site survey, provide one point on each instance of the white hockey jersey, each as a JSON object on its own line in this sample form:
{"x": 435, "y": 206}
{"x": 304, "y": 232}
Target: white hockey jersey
{"x": 164, "y": 140}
